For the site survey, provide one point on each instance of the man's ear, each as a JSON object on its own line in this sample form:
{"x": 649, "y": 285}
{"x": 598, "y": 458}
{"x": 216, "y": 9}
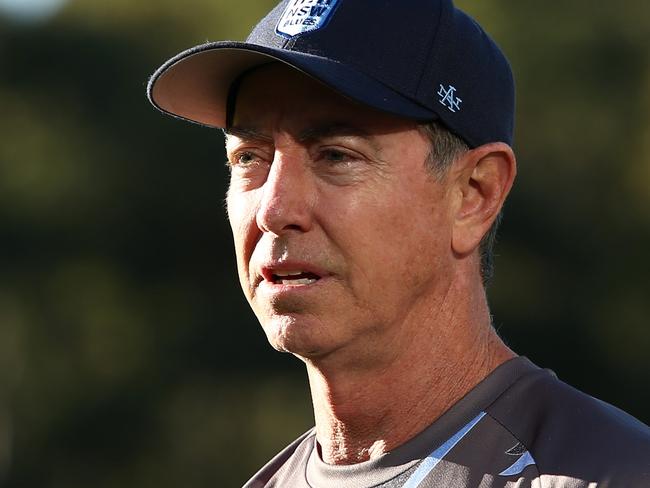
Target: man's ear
{"x": 484, "y": 177}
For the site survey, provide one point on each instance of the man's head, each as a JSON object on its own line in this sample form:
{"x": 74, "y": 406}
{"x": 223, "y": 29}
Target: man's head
{"x": 345, "y": 237}
{"x": 369, "y": 144}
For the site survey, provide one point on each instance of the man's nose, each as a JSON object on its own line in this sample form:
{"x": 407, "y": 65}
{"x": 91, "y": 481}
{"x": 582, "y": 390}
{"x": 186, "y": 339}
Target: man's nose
{"x": 288, "y": 196}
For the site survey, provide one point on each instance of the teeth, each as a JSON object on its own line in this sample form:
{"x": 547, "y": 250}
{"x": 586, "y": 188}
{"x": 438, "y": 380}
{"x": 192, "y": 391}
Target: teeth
{"x": 301, "y": 281}
{"x": 294, "y": 277}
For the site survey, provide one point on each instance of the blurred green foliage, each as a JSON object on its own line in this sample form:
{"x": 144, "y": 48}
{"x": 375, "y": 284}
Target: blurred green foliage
{"x": 128, "y": 356}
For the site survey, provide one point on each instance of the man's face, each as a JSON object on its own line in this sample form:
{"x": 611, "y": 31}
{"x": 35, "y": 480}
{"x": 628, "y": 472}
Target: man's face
{"x": 342, "y": 236}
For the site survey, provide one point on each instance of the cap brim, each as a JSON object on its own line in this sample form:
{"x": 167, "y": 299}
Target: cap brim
{"x": 194, "y": 85}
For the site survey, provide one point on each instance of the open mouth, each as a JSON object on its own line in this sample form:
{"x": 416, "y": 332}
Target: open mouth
{"x": 294, "y": 278}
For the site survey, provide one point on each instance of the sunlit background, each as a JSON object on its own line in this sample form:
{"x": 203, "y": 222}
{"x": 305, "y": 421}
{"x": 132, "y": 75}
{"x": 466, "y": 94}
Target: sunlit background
{"x": 30, "y": 10}
{"x": 128, "y": 357}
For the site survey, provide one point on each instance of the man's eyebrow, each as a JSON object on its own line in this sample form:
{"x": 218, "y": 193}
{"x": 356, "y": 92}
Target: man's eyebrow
{"x": 339, "y": 129}
{"x": 333, "y": 129}
{"x": 249, "y": 133}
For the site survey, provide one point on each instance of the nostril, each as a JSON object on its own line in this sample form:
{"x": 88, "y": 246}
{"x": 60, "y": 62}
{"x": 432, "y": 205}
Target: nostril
{"x": 278, "y": 216}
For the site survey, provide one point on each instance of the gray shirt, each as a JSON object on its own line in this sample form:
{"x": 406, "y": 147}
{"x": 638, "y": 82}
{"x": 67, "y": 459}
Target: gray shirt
{"x": 520, "y": 427}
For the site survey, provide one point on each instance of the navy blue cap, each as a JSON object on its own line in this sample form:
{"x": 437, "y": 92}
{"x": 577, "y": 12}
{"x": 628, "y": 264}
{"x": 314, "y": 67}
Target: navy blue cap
{"x": 421, "y": 59}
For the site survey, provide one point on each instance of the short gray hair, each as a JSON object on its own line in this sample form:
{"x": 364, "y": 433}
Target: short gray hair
{"x": 446, "y": 147}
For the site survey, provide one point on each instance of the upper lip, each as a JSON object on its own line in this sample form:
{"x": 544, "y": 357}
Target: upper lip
{"x": 269, "y": 270}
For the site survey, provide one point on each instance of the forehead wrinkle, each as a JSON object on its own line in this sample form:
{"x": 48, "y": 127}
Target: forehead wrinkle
{"x": 259, "y": 133}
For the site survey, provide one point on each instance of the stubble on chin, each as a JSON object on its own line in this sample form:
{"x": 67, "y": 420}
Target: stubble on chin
{"x": 289, "y": 327}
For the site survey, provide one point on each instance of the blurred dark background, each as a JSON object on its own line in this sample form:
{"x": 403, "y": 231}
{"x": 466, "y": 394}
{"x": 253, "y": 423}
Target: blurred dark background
{"x": 128, "y": 357}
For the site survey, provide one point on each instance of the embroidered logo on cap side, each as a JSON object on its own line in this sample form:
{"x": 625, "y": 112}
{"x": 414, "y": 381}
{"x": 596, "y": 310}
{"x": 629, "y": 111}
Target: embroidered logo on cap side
{"x": 449, "y": 99}
{"x": 305, "y": 15}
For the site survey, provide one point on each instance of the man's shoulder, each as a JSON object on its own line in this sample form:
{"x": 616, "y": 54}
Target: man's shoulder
{"x": 570, "y": 432}
{"x": 264, "y": 477}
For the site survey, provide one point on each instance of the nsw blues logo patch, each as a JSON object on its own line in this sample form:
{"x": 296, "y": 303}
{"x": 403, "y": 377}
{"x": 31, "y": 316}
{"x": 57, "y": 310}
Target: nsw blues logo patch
{"x": 305, "y": 15}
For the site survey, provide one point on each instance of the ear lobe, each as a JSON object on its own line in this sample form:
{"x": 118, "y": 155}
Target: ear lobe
{"x": 485, "y": 179}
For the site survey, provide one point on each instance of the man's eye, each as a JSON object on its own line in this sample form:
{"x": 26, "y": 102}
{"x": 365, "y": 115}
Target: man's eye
{"x": 243, "y": 159}
{"x": 335, "y": 156}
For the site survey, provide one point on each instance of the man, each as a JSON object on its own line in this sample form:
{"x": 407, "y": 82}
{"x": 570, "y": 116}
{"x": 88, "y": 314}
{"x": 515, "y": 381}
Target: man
{"x": 369, "y": 146}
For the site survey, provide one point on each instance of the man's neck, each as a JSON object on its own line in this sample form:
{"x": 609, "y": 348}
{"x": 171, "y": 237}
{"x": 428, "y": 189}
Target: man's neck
{"x": 362, "y": 414}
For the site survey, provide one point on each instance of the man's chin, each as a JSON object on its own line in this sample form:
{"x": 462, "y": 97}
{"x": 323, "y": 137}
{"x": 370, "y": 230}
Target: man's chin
{"x": 294, "y": 335}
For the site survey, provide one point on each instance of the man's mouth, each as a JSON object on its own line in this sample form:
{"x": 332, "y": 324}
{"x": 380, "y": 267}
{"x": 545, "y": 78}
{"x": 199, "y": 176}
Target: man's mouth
{"x": 294, "y": 278}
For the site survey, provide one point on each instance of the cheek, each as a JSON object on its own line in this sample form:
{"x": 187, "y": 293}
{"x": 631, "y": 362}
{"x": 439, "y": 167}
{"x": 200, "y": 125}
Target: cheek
{"x": 241, "y": 215}
{"x": 401, "y": 239}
